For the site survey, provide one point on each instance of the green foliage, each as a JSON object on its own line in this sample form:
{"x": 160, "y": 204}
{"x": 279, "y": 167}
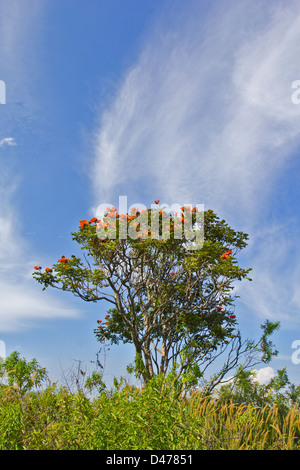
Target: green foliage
{"x": 154, "y": 417}
{"x": 95, "y": 382}
{"x": 244, "y": 389}
{"x": 157, "y": 416}
{"x": 267, "y": 345}
{"x": 23, "y": 375}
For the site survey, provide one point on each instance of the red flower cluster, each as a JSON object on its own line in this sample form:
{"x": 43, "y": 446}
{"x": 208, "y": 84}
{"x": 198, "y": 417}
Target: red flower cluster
{"x": 83, "y": 223}
{"x": 232, "y": 316}
{"x": 226, "y": 254}
{"x": 48, "y": 270}
{"x": 156, "y": 202}
{"x": 63, "y": 259}
{"x": 101, "y": 327}
{"x": 37, "y": 268}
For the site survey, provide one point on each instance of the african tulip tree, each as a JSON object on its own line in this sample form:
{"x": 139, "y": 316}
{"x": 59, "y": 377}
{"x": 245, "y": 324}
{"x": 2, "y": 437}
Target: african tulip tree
{"x": 174, "y": 304}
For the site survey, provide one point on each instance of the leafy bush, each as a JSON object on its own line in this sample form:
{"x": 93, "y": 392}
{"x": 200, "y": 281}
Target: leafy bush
{"x": 129, "y": 418}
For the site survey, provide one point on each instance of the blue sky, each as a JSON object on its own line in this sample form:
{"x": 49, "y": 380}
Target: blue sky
{"x": 186, "y": 102}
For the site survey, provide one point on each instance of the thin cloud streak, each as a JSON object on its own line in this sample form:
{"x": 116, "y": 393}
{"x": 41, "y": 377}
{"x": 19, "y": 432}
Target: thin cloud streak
{"x": 10, "y": 141}
{"x": 274, "y": 292}
{"x": 22, "y": 302}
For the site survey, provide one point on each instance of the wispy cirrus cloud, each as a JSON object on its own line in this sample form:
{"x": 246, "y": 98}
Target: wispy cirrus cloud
{"x": 10, "y": 141}
{"x": 200, "y": 114}
{"x": 205, "y": 116}
{"x": 22, "y": 303}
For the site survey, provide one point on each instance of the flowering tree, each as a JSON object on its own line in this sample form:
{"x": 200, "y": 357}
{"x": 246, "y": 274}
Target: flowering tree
{"x": 173, "y": 303}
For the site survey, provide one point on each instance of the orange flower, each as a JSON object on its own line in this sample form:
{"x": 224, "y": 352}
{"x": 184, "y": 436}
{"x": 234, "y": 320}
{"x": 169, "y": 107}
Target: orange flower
{"x": 226, "y": 254}
{"x": 93, "y": 219}
{"x": 63, "y": 259}
{"x": 36, "y": 268}
{"x": 48, "y": 270}
{"x": 83, "y": 223}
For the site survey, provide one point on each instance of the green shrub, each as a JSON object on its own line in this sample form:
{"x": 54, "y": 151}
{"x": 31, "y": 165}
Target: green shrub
{"x": 129, "y": 418}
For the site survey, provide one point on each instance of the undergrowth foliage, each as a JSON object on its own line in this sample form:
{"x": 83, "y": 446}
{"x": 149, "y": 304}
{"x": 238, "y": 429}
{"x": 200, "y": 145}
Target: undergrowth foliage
{"x": 132, "y": 418}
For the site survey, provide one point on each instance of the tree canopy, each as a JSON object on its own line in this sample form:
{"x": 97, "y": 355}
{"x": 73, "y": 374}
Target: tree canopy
{"x": 173, "y": 301}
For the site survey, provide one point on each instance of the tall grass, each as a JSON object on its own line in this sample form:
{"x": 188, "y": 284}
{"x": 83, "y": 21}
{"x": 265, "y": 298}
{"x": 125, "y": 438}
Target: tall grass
{"x": 128, "y": 418}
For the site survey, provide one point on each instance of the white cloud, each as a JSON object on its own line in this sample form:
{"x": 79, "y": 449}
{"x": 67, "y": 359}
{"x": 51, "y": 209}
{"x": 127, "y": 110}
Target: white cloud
{"x": 22, "y": 305}
{"x": 264, "y": 375}
{"x": 274, "y": 292}
{"x": 10, "y": 141}
{"x": 22, "y": 301}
